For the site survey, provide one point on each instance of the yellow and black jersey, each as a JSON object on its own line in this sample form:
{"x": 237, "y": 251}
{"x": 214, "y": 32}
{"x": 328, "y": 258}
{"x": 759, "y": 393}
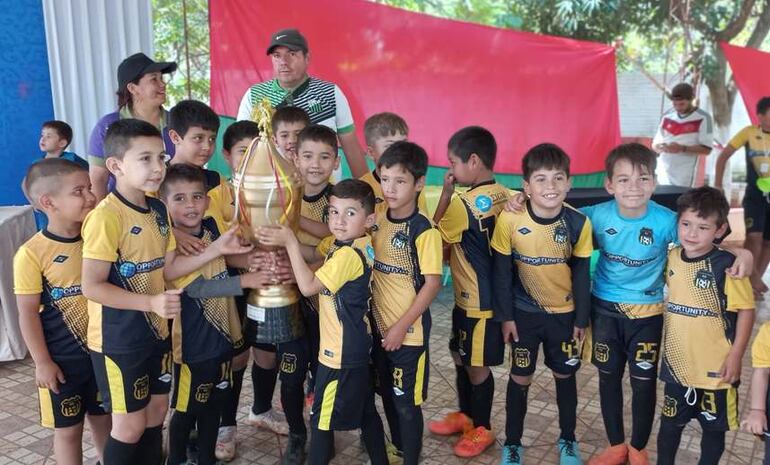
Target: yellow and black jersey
{"x": 345, "y": 303}
{"x": 316, "y": 208}
{"x": 467, "y": 226}
{"x": 222, "y": 202}
{"x": 207, "y": 328}
{"x": 135, "y": 241}
{"x": 405, "y": 250}
{"x": 380, "y": 205}
{"x": 700, "y": 318}
{"x": 50, "y": 265}
{"x": 538, "y": 261}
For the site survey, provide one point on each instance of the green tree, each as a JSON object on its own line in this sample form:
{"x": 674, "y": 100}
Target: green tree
{"x": 191, "y": 80}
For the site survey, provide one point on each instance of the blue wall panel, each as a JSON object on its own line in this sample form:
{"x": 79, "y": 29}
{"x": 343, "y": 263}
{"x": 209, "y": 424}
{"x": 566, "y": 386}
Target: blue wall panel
{"x": 25, "y": 92}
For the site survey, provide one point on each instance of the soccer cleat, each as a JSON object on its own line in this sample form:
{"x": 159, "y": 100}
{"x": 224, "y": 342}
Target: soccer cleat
{"x": 474, "y": 442}
{"x": 295, "y": 450}
{"x": 512, "y": 455}
{"x": 271, "y": 420}
{"x": 613, "y": 455}
{"x": 569, "y": 454}
{"x": 638, "y": 457}
{"x": 226, "y": 444}
{"x": 453, "y": 423}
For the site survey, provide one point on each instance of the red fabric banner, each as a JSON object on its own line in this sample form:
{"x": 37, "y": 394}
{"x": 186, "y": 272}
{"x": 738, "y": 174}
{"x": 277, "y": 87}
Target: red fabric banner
{"x": 440, "y": 75}
{"x": 749, "y": 66}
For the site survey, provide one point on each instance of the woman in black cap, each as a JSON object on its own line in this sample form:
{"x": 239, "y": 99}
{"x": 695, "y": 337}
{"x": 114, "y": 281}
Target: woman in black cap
{"x": 141, "y": 95}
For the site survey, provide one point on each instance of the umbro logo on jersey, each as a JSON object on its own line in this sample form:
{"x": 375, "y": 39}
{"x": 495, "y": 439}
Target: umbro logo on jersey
{"x": 645, "y": 365}
{"x": 670, "y": 273}
{"x": 524, "y": 231}
{"x": 60, "y": 259}
{"x": 611, "y": 231}
{"x": 136, "y": 230}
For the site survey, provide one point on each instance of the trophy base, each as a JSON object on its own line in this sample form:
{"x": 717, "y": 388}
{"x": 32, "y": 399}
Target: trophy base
{"x": 274, "y": 325}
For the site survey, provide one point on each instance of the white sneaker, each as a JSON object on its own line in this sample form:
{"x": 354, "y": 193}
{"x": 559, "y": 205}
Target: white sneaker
{"x": 271, "y": 420}
{"x": 226, "y": 444}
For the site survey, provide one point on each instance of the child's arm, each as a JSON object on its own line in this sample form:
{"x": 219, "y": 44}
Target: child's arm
{"x": 756, "y": 420}
{"x": 743, "y": 264}
{"x": 178, "y": 265}
{"x": 446, "y": 196}
{"x": 202, "y": 288}
{"x": 504, "y": 274}
{"x": 96, "y": 287}
{"x": 731, "y": 370}
{"x": 282, "y": 236}
{"x": 48, "y": 375}
{"x": 316, "y": 228}
{"x": 394, "y": 336}
{"x": 581, "y": 294}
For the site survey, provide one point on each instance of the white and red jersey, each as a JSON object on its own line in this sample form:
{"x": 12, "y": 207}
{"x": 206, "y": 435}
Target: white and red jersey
{"x": 694, "y": 128}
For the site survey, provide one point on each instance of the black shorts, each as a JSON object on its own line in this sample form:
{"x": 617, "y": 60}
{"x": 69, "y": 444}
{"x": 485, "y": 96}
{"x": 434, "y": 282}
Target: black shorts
{"x": 478, "y": 341}
{"x": 403, "y": 372}
{"x": 127, "y": 381}
{"x": 716, "y": 410}
{"x": 292, "y": 359}
{"x": 619, "y": 340}
{"x": 77, "y": 396}
{"x": 756, "y": 213}
{"x": 341, "y": 397}
{"x": 554, "y": 331}
{"x": 194, "y": 383}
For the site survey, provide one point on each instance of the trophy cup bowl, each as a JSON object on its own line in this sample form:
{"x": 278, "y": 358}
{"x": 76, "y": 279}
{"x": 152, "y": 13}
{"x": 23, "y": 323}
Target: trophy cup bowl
{"x": 268, "y": 192}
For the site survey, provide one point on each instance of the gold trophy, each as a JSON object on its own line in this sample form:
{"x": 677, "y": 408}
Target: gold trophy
{"x": 268, "y": 191}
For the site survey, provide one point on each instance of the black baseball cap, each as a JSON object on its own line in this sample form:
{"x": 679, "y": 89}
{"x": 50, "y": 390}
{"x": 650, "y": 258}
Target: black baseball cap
{"x": 289, "y": 38}
{"x": 139, "y": 64}
{"x": 682, "y": 91}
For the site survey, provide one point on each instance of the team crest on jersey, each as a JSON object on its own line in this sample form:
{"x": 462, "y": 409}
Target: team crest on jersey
{"x": 611, "y": 231}
{"x": 202, "y": 392}
{"x": 314, "y": 106}
{"x": 399, "y": 240}
{"x": 560, "y": 234}
{"x": 645, "y": 236}
{"x": 70, "y": 407}
{"x": 288, "y": 363}
{"x": 602, "y": 352}
{"x": 703, "y": 279}
{"x": 521, "y": 357}
{"x": 749, "y": 222}
{"x": 669, "y": 407}
{"x": 483, "y": 203}
{"x": 142, "y": 388}
{"x": 60, "y": 259}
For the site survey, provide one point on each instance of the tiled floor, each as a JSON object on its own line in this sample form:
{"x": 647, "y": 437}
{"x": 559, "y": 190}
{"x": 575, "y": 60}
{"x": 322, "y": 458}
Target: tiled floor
{"x": 23, "y": 441}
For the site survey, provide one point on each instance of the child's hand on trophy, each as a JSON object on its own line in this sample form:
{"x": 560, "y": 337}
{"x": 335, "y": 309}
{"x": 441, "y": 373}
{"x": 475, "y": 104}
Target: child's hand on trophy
{"x": 277, "y": 235}
{"x": 257, "y": 280}
{"x": 230, "y": 244}
{"x": 258, "y": 260}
